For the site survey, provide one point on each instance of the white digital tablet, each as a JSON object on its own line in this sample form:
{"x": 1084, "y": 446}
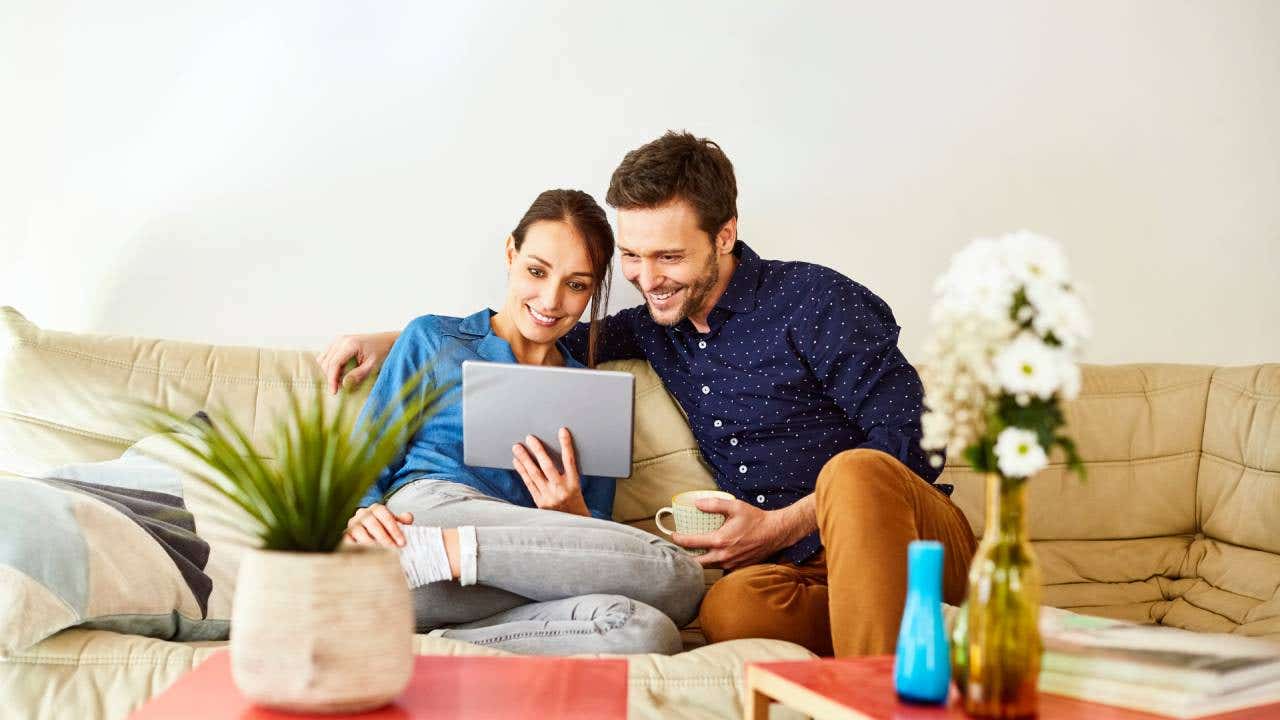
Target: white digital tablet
{"x": 504, "y": 402}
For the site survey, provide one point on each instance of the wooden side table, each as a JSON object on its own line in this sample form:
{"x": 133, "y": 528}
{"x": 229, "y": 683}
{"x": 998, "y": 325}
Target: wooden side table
{"x": 443, "y": 686}
{"x": 862, "y": 689}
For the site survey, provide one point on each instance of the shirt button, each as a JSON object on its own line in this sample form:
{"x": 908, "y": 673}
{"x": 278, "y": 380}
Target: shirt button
{"x": 706, "y": 390}
{"x": 702, "y": 344}
{"x": 733, "y": 441}
{"x": 718, "y": 423}
{"x": 760, "y": 498}
{"x": 742, "y": 469}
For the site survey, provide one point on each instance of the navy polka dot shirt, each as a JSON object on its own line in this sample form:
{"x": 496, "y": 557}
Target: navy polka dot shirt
{"x": 800, "y": 363}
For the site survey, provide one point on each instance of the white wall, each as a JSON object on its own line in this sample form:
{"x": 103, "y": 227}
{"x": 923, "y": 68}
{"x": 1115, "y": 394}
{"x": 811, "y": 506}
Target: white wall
{"x": 272, "y": 173}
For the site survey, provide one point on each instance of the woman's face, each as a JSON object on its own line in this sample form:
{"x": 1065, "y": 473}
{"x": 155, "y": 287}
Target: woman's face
{"x": 549, "y": 282}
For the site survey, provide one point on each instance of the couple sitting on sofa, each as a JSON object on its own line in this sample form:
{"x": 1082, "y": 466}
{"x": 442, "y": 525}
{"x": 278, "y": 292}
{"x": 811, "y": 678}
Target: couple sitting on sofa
{"x": 794, "y": 387}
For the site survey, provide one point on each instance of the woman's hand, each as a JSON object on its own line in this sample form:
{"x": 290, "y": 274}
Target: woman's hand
{"x": 367, "y": 350}
{"x": 376, "y": 525}
{"x": 550, "y": 488}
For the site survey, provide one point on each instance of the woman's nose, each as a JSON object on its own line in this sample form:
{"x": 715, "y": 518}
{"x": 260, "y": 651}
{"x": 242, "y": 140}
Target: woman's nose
{"x": 550, "y": 298}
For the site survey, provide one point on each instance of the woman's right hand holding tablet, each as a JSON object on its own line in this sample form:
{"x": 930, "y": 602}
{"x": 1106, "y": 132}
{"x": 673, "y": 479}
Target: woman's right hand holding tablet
{"x": 551, "y": 489}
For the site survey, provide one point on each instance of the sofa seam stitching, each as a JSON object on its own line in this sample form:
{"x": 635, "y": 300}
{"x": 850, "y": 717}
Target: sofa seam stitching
{"x": 185, "y": 374}
{"x": 1234, "y": 463}
{"x": 22, "y": 417}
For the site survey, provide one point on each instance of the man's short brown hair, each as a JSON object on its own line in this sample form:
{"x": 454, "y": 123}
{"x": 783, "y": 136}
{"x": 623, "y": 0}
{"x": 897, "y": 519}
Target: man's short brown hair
{"x": 678, "y": 166}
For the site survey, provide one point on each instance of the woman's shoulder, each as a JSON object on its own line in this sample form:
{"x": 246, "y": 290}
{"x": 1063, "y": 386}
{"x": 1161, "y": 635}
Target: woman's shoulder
{"x": 432, "y": 330}
{"x": 426, "y": 331}
{"x": 431, "y": 325}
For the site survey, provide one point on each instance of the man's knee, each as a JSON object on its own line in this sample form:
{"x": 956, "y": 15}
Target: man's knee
{"x": 762, "y": 601}
{"x": 861, "y": 473}
{"x": 731, "y": 609}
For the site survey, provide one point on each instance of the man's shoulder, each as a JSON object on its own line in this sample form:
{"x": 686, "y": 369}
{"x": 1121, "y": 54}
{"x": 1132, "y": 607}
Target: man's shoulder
{"x": 810, "y": 281}
{"x": 628, "y": 317}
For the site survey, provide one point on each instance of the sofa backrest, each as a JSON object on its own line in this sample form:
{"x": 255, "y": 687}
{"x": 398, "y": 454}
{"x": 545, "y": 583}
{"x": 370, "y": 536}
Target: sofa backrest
{"x": 1235, "y": 558}
{"x": 1177, "y": 522}
{"x": 1178, "y": 519}
{"x": 61, "y": 393}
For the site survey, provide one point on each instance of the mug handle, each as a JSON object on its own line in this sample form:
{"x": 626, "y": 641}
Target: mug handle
{"x": 657, "y": 520}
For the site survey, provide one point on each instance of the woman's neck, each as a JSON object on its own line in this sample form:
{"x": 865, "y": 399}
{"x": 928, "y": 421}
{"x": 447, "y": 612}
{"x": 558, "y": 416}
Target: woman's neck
{"x": 526, "y": 352}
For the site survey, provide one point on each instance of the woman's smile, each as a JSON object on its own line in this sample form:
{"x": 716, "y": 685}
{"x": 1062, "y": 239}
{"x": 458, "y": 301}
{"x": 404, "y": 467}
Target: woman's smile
{"x": 540, "y": 319}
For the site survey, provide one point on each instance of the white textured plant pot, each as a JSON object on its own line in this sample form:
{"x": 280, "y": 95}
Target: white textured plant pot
{"x": 322, "y": 632}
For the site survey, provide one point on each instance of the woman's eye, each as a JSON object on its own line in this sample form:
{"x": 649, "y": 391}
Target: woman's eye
{"x": 577, "y": 286}
{"x": 536, "y": 272}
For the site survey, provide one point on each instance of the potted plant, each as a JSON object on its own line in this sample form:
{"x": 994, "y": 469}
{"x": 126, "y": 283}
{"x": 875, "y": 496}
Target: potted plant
{"x": 1007, "y": 329}
{"x": 316, "y": 625}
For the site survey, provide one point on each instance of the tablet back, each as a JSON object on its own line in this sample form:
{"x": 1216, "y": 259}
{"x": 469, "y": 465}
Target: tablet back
{"x": 504, "y": 402}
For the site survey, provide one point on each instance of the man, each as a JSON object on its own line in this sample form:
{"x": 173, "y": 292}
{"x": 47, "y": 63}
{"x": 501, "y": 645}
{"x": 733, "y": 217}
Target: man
{"x": 800, "y": 401}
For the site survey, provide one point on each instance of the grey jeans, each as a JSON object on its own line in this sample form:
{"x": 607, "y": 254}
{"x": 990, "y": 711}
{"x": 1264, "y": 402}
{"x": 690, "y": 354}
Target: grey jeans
{"x": 549, "y": 582}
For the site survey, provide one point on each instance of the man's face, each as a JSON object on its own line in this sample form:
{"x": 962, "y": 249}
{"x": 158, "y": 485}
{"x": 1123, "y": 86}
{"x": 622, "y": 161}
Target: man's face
{"x": 669, "y": 259}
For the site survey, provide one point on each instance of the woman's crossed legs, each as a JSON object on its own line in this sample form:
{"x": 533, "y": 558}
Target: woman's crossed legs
{"x": 549, "y": 582}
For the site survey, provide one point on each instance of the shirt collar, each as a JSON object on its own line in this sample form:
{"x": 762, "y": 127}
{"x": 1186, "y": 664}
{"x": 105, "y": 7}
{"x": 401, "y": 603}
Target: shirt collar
{"x": 492, "y": 347}
{"x": 477, "y": 323}
{"x": 740, "y": 295}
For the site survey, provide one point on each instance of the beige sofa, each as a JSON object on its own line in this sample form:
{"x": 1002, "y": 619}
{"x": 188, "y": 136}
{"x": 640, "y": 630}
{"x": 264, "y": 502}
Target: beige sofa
{"x": 1178, "y": 522}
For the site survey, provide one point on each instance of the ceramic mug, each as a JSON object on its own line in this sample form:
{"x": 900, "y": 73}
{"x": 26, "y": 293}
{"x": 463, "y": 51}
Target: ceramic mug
{"x": 689, "y": 519}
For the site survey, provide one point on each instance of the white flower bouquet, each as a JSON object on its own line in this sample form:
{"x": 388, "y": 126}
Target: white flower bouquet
{"x": 1008, "y": 328}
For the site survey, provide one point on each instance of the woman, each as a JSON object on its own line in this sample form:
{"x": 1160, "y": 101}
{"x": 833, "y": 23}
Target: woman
{"x": 524, "y": 560}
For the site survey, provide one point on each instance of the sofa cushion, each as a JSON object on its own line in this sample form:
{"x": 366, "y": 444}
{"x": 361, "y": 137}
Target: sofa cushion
{"x": 58, "y": 390}
{"x": 93, "y": 673}
{"x": 1117, "y": 542}
{"x": 1236, "y": 556}
{"x": 122, "y": 557}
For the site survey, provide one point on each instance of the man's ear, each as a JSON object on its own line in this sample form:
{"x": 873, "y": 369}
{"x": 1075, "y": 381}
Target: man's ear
{"x": 727, "y": 237}
{"x": 511, "y": 250}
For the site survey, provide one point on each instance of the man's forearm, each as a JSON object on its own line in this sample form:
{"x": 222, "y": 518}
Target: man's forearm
{"x": 797, "y": 520}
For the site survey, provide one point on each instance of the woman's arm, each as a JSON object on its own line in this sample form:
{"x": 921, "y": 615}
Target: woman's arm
{"x": 407, "y": 356}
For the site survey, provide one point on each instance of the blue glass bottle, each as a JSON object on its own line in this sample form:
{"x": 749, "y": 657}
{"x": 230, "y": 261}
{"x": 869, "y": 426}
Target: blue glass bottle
{"x": 922, "y": 666}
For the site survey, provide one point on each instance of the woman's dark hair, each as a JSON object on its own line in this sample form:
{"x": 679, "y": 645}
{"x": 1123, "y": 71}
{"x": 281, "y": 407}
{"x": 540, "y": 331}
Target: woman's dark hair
{"x": 586, "y": 216}
{"x": 678, "y": 166}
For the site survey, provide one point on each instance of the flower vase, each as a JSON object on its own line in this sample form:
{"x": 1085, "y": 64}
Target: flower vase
{"x": 1003, "y": 636}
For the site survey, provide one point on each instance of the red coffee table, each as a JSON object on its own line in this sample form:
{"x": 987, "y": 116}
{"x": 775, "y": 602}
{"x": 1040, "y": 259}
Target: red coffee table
{"x": 443, "y": 686}
{"x": 862, "y": 689}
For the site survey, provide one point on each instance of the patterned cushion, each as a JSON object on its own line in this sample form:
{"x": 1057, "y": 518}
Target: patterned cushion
{"x": 112, "y": 546}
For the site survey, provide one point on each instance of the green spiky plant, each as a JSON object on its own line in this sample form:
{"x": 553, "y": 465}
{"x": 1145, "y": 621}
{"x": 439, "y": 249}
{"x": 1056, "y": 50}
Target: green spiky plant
{"x": 302, "y": 501}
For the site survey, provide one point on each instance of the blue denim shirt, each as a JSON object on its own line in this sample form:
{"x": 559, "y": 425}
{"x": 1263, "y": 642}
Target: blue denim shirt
{"x": 435, "y": 452}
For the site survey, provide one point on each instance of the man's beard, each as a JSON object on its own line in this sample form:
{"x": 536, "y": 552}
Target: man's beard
{"x": 696, "y": 292}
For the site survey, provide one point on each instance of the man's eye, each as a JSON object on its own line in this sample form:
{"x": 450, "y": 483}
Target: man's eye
{"x": 670, "y": 258}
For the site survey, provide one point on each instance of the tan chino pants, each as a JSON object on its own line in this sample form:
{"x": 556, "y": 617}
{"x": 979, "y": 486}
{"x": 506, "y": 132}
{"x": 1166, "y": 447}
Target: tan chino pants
{"x": 848, "y": 599}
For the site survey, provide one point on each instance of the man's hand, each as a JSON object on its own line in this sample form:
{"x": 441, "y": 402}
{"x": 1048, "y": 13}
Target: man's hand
{"x": 368, "y": 351}
{"x": 376, "y": 525}
{"x": 550, "y": 488}
{"x": 749, "y": 534}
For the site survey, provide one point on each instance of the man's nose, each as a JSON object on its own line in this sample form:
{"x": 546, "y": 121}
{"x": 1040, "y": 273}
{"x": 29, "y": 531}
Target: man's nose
{"x": 648, "y": 279}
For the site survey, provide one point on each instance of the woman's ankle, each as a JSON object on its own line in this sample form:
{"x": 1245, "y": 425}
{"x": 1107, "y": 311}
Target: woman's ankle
{"x": 451, "y": 549}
